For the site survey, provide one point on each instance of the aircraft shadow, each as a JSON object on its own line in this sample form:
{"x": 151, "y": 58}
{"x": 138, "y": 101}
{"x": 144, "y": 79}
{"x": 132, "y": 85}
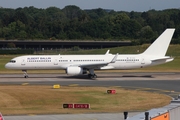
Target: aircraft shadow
{"x": 109, "y": 76}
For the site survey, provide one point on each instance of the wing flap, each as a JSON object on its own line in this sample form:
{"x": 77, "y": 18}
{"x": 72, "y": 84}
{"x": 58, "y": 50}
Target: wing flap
{"x": 90, "y": 66}
{"x": 107, "y": 67}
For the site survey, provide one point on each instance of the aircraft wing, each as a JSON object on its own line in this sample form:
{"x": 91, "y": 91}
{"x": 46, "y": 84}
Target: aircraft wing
{"x": 107, "y": 52}
{"x": 94, "y": 66}
{"x": 114, "y": 59}
{"x": 97, "y": 65}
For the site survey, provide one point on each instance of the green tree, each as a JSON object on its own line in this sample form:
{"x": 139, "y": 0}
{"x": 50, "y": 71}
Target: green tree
{"x": 72, "y": 12}
{"x": 6, "y": 33}
{"x": 146, "y": 33}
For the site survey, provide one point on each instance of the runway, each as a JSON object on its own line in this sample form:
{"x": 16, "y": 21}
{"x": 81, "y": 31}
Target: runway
{"x": 164, "y": 83}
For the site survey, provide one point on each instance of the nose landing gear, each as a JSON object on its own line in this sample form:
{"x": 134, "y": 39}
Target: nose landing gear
{"x": 25, "y": 73}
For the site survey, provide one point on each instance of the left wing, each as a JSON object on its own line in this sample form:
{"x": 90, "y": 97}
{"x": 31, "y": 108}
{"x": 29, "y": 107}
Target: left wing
{"x": 93, "y": 66}
{"x": 97, "y": 65}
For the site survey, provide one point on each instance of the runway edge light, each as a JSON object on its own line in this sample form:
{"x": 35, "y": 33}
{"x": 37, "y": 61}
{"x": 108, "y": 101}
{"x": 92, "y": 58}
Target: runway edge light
{"x": 57, "y": 86}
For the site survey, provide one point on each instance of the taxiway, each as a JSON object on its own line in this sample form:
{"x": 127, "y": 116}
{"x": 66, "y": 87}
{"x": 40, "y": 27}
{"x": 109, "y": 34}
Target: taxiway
{"x": 164, "y": 83}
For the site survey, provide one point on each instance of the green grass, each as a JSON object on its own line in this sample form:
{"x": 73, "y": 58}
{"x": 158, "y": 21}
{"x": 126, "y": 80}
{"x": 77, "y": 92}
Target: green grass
{"x": 174, "y": 51}
{"x": 17, "y": 99}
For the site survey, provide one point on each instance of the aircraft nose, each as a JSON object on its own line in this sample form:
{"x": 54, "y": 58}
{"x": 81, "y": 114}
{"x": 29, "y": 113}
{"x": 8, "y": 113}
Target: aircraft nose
{"x": 7, "y": 66}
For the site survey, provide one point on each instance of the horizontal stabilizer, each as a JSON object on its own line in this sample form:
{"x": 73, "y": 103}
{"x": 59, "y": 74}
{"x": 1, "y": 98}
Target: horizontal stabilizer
{"x": 164, "y": 58}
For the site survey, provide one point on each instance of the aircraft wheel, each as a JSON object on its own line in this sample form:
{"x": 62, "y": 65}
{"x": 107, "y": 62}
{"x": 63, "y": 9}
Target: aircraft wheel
{"x": 25, "y": 76}
{"x": 89, "y": 75}
{"x": 92, "y": 76}
{"x": 95, "y": 76}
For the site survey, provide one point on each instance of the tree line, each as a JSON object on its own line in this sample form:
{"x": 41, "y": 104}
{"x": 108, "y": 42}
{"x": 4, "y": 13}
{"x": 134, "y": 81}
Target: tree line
{"x": 73, "y": 23}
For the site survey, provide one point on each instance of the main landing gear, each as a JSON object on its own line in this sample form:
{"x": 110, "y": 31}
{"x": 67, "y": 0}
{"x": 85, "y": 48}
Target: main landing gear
{"x": 91, "y": 74}
{"x": 94, "y": 76}
{"x": 25, "y": 73}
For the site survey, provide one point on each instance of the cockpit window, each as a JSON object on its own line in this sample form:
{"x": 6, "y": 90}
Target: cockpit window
{"x": 12, "y": 61}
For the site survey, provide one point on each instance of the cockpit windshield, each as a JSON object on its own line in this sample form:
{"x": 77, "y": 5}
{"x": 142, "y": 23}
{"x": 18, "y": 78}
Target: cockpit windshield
{"x": 12, "y": 61}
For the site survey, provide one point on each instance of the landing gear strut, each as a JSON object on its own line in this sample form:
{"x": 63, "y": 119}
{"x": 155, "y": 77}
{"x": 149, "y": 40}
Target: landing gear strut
{"x": 25, "y": 73}
{"x": 91, "y": 74}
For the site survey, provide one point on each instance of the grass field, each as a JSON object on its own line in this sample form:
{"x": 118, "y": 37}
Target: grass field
{"x": 174, "y": 51}
{"x": 18, "y": 99}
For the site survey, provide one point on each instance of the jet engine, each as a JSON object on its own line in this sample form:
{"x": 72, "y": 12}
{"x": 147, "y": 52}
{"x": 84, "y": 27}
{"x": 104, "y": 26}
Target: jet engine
{"x": 74, "y": 70}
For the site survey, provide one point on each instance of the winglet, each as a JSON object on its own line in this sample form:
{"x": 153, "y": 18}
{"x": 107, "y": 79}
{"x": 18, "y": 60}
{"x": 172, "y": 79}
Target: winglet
{"x": 107, "y": 52}
{"x": 115, "y": 58}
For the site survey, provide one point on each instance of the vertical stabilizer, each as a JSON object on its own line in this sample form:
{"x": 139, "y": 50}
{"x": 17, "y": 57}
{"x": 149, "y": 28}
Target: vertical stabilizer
{"x": 160, "y": 45}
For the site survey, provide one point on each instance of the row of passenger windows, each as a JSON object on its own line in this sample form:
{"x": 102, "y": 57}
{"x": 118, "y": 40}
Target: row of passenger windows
{"x": 13, "y": 61}
{"x": 87, "y": 60}
{"x": 39, "y": 61}
{"x": 127, "y": 59}
{"x": 79, "y": 60}
{"x": 60, "y": 60}
{"x": 63, "y": 60}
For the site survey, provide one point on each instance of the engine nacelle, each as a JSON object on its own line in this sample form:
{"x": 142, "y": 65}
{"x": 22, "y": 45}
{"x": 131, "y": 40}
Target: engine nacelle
{"x": 74, "y": 70}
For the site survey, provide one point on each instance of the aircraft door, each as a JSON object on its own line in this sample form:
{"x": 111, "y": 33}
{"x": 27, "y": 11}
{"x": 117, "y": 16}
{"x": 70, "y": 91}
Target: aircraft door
{"x": 55, "y": 61}
{"x": 23, "y": 62}
{"x": 143, "y": 61}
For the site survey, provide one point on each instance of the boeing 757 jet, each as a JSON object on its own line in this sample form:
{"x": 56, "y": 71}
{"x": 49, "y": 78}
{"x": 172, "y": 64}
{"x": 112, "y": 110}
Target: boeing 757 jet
{"x": 86, "y": 64}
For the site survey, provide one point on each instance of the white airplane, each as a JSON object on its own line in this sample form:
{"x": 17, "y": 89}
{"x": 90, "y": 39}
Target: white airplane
{"x": 82, "y": 64}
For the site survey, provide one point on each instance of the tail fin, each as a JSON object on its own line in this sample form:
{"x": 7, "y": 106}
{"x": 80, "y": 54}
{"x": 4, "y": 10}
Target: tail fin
{"x": 160, "y": 45}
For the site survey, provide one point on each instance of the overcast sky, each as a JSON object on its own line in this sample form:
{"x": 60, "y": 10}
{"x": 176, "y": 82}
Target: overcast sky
{"x": 117, "y": 5}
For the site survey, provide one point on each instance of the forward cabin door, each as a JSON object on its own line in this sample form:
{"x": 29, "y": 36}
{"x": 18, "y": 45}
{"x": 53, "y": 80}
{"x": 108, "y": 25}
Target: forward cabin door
{"x": 23, "y": 62}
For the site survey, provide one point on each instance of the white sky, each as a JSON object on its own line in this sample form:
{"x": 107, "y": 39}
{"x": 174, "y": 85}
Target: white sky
{"x": 117, "y": 5}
